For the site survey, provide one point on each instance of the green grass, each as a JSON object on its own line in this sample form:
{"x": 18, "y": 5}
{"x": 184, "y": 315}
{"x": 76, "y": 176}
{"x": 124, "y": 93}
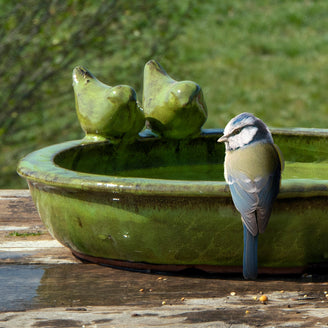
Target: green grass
{"x": 265, "y": 57}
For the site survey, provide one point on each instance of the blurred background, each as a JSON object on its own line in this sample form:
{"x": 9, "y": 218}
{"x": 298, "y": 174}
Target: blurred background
{"x": 265, "y": 57}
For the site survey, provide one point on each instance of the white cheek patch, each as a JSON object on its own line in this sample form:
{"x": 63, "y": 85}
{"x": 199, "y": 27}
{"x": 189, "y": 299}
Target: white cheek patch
{"x": 247, "y": 134}
{"x": 234, "y": 142}
{"x": 243, "y": 138}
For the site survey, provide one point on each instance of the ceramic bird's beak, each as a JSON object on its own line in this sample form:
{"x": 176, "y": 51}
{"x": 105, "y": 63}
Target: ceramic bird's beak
{"x": 222, "y": 139}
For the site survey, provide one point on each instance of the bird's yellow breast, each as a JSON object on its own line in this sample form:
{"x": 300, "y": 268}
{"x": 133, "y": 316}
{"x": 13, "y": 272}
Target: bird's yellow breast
{"x": 255, "y": 160}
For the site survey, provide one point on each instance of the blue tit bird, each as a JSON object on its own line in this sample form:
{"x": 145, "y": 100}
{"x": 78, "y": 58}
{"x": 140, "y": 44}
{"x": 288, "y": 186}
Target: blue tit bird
{"x": 252, "y": 169}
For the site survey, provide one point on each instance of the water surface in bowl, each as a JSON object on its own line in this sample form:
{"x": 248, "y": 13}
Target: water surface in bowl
{"x": 199, "y": 159}
{"x": 214, "y": 172}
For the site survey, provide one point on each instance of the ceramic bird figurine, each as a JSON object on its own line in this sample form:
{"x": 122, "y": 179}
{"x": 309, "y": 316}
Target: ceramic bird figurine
{"x": 252, "y": 169}
{"x": 106, "y": 112}
{"x": 173, "y": 109}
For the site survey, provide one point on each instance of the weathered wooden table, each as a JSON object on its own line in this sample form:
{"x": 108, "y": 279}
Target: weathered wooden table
{"x": 43, "y": 285}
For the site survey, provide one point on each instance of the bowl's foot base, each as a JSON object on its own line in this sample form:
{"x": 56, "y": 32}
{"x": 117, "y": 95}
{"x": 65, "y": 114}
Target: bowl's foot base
{"x": 149, "y": 267}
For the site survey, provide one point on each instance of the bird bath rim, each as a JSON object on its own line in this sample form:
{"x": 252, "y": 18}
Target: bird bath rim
{"x": 40, "y": 166}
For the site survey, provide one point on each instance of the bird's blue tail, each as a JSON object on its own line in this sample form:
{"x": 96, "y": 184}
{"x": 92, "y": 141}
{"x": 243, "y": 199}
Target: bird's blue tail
{"x": 250, "y": 255}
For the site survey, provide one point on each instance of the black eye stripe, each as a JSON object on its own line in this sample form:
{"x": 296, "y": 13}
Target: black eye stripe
{"x": 236, "y": 131}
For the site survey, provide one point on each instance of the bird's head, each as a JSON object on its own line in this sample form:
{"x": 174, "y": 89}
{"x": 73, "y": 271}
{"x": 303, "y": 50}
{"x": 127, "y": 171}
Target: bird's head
{"x": 243, "y": 130}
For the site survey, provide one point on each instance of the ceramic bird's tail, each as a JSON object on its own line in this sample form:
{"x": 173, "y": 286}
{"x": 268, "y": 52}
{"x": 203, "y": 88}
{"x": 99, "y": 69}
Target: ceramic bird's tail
{"x": 250, "y": 255}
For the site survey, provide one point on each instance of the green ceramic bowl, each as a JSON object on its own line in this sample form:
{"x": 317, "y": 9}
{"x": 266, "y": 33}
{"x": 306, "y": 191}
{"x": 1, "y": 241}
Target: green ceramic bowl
{"x": 163, "y": 204}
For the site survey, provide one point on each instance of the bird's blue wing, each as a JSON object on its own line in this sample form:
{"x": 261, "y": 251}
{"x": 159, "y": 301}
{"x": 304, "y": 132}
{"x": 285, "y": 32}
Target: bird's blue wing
{"x": 245, "y": 199}
{"x": 250, "y": 196}
{"x": 267, "y": 194}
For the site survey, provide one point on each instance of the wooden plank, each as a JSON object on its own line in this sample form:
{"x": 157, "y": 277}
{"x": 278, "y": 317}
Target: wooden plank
{"x": 97, "y": 296}
{"x": 23, "y": 237}
{"x": 17, "y": 206}
{"x": 192, "y": 314}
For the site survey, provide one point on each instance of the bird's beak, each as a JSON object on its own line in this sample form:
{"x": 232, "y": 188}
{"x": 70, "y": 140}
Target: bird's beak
{"x": 222, "y": 139}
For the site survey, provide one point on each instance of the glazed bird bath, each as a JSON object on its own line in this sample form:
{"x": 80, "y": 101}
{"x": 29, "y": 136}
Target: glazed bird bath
{"x": 161, "y": 203}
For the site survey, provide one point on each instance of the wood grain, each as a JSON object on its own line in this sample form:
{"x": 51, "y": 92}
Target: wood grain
{"x": 23, "y": 237}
